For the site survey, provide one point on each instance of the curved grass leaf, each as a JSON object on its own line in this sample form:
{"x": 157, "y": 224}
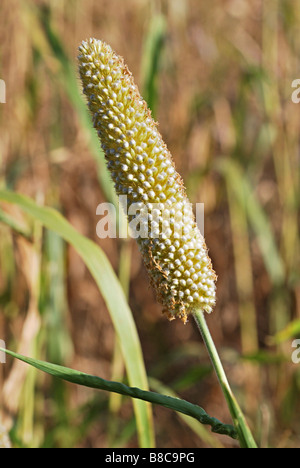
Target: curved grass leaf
{"x": 112, "y": 292}
{"x": 292, "y": 330}
{"x": 91, "y": 381}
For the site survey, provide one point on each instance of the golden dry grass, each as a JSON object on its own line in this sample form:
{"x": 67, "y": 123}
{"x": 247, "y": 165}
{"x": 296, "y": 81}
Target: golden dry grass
{"x": 224, "y": 109}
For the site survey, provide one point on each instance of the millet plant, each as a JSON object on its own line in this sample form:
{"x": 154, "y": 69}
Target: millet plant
{"x": 142, "y": 168}
{"x": 175, "y": 253}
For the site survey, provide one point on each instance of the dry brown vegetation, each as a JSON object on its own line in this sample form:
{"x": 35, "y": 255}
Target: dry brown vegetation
{"x": 218, "y": 78}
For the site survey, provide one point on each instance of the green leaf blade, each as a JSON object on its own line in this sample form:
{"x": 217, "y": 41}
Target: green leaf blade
{"x": 92, "y": 381}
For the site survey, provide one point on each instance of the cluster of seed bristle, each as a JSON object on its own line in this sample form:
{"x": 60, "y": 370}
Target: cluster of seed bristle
{"x": 142, "y": 168}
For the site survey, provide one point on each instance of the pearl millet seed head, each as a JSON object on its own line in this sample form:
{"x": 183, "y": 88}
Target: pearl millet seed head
{"x": 142, "y": 168}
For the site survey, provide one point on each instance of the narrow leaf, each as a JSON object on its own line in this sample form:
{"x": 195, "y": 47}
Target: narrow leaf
{"x": 92, "y": 381}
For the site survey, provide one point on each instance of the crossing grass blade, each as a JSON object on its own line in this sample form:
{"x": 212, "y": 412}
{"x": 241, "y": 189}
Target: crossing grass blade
{"x": 91, "y": 381}
{"x": 112, "y": 292}
{"x": 15, "y": 225}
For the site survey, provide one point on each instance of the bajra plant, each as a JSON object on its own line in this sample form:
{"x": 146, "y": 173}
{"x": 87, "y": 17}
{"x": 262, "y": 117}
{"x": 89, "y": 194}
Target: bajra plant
{"x": 171, "y": 245}
{"x": 142, "y": 168}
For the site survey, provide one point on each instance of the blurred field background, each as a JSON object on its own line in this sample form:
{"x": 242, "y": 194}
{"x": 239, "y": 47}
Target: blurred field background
{"x": 217, "y": 76}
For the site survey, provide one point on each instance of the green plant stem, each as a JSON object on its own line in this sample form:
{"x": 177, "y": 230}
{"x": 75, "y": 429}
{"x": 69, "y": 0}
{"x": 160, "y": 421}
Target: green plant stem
{"x": 245, "y": 437}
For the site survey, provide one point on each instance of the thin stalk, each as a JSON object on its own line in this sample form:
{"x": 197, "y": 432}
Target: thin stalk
{"x": 245, "y": 437}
